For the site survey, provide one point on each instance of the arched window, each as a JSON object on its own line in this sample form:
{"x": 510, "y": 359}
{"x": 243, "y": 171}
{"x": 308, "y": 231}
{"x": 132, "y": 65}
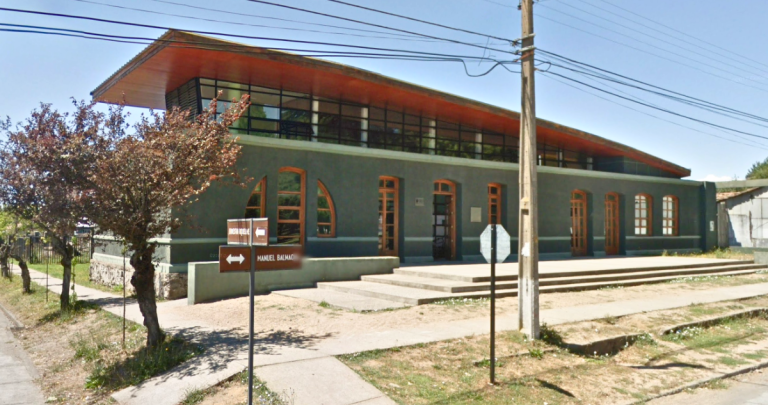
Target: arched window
{"x": 256, "y": 207}
{"x": 326, "y": 213}
{"x": 291, "y": 191}
{"x": 643, "y": 215}
{"x": 494, "y": 203}
{"x": 670, "y": 210}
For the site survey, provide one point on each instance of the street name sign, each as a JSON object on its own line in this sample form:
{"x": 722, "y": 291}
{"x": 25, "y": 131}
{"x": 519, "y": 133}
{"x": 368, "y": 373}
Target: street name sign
{"x": 260, "y": 231}
{"x": 239, "y": 231}
{"x": 278, "y": 258}
{"x": 503, "y": 244}
{"x": 234, "y": 258}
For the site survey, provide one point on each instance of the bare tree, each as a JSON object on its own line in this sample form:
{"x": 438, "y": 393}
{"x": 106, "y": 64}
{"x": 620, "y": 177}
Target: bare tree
{"x": 142, "y": 187}
{"x": 45, "y": 164}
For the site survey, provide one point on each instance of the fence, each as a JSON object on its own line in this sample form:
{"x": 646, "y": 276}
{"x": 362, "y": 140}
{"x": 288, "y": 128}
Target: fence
{"x": 36, "y": 251}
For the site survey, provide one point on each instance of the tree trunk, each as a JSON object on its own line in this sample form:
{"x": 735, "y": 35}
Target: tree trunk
{"x": 67, "y": 253}
{"x": 26, "y": 280}
{"x": 5, "y": 253}
{"x": 143, "y": 280}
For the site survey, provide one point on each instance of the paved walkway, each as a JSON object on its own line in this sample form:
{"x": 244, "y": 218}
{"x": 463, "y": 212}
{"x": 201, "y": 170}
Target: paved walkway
{"x": 751, "y": 389}
{"x": 17, "y": 373}
{"x": 306, "y": 370}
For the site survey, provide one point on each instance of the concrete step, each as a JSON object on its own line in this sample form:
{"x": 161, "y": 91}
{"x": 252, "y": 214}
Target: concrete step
{"x": 418, "y": 296}
{"x": 452, "y": 286}
{"x": 508, "y": 271}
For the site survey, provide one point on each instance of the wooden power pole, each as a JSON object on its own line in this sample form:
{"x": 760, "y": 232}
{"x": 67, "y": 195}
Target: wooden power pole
{"x": 528, "y": 254}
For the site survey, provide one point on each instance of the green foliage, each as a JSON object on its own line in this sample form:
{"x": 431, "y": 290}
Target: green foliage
{"x": 759, "y": 170}
{"x": 551, "y": 336}
{"x": 536, "y": 353}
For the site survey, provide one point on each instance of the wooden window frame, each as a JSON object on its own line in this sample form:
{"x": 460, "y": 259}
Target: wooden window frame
{"x": 302, "y": 194}
{"x": 263, "y": 205}
{"x": 396, "y": 193}
{"x": 649, "y": 215}
{"x": 331, "y": 208}
{"x": 451, "y": 193}
{"x": 674, "y": 218}
{"x": 491, "y": 196}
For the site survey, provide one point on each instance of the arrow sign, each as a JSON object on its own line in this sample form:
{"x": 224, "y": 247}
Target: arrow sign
{"x": 239, "y": 259}
{"x": 234, "y": 258}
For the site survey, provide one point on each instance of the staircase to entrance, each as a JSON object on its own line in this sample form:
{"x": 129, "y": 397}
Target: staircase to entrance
{"x": 417, "y": 285}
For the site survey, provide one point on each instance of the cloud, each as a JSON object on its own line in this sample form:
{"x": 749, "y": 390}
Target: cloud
{"x": 715, "y": 178}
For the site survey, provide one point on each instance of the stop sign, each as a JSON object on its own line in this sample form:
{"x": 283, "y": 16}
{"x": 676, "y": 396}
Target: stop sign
{"x": 503, "y": 244}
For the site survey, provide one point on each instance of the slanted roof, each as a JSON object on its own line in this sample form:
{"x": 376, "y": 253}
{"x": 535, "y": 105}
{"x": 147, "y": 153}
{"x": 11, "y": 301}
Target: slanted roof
{"x": 177, "y": 57}
{"x": 732, "y": 194}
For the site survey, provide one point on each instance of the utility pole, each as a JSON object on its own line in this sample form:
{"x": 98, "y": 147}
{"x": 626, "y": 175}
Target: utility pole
{"x": 528, "y": 253}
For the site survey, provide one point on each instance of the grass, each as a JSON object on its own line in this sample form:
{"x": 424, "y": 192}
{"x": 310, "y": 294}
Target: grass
{"x": 463, "y": 302}
{"x": 87, "y": 343}
{"x": 80, "y": 273}
{"x": 716, "y": 254}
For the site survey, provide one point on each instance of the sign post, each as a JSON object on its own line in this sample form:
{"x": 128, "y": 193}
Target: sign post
{"x": 495, "y": 247}
{"x": 248, "y": 250}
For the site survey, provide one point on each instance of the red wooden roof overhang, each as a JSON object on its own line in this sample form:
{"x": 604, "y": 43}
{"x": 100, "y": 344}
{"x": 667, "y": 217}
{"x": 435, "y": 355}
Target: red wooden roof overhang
{"x": 177, "y": 57}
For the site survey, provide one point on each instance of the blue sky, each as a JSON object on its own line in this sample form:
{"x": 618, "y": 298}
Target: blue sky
{"x": 37, "y": 68}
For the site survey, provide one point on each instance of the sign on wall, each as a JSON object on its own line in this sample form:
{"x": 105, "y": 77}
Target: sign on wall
{"x": 475, "y": 214}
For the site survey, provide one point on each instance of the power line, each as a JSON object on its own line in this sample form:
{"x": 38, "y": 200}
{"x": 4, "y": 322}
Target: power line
{"x": 650, "y": 44}
{"x": 654, "y": 116}
{"x": 570, "y": 60}
{"x": 200, "y": 45}
{"x": 421, "y": 21}
{"x": 399, "y": 38}
{"x": 651, "y": 53}
{"x": 216, "y": 33}
{"x": 658, "y": 108}
{"x": 376, "y": 25}
{"x": 683, "y": 33}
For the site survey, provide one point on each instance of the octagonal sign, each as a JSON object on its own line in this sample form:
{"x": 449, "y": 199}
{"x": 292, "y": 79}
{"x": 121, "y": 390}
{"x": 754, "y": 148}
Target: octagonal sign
{"x": 503, "y": 244}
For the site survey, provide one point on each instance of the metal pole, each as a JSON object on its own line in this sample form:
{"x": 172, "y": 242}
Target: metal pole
{"x": 123, "y": 297}
{"x": 528, "y": 249}
{"x": 46, "y": 277}
{"x": 493, "y": 302}
{"x": 251, "y": 289}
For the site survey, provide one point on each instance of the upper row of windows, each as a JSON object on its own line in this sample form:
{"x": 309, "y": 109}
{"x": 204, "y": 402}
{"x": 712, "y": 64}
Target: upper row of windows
{"x": 291, "y": 115}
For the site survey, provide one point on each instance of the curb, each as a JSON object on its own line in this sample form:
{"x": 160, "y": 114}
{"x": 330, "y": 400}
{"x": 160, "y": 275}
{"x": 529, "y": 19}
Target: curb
{"x": 9, "y": 315}
{"x": 698, "y": 383}
{"x": 714, "y": 320}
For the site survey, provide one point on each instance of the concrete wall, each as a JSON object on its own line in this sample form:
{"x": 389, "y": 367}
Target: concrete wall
{"x": 351, "y": 175}
{"x": 206, "y": 284}
{"x": 747, "y": 221}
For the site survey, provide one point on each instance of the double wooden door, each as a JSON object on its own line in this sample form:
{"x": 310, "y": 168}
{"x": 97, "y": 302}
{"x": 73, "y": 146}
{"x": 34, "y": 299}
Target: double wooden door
{"x": 578, "y": 223}
{"x": 388, "y": 216}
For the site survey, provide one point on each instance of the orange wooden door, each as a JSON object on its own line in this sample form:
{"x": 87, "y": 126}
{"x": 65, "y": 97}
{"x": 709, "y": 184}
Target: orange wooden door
{"x": 579, "y": 223}
{"x": 388, "y": 216}
{"x": 444, "y": 221}
{"x": 612, "y": 228}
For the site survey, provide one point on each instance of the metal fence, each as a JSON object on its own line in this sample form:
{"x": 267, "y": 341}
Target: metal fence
{"x": 36, "y": 251}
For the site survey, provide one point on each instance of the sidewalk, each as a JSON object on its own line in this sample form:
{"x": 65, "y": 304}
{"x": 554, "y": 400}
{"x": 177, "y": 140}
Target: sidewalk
{"x": 306, "y": 367}
{"x": 17, "y": 373}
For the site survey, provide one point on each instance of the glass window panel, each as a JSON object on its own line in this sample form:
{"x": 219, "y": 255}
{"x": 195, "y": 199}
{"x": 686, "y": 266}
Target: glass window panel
{"x": 230, "y": 94}
{"x": 297, "y": 103}
{"x": 207, "y": 92}
{"x": 253, "y": 213}
{"x": 240, "y": 123}
{"x": 255, "y": 200}
{"x": 296, "y": 115}
{"x": 412, "y": 119}
{"x": 376, "y": 114}
{"x": 258, "y": 111}
{"x": 323, "y": 216}
{"x": 288, "y": 229}
{"x": 445, "y": 187}
{"x": 261, "y": 125}
{"x": 288, "y": 214}
{"x": 351, "y": 110}
{"x": 265, "y": 89}
{"x": 265, "y": 99}
{"x": 447, "y": 134}
{"x": 390, "y": 184}
{"x": 288, "y": 200}
{"x": 447, "y": 125}
{"x": 328, "y": 107}
{"x": 412, "y": 144}
{"x": 289, "y": 181}
{"x": 394, "y": 116}
{"x": 295, "y": 94}
{"x": 322, "y": 202}
{"x": 323, "y": 229}
{"x": 232, "y": 85}
{"x": 207, "y": 81}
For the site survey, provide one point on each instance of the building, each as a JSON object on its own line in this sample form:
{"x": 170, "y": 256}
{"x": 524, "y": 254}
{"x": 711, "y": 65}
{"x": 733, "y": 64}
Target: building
{"x": 743, "y": 218}
{"x": 351, "y": 163}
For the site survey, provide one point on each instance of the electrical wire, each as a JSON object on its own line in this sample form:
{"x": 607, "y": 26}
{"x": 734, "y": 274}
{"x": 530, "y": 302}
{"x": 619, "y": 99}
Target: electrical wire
{"x": 421, "y": 21}
{"x": 683, "y": 33}
{"x": 652, "y": 54}
{"x": 657, "y": 108}
{"x": 215, "y": 33}
{"x": 654, "y": 45}
{"x": 595, "y": 68}
{"x": 376, "y": 25}
{"x": 754, "y": 145}
{"x": 413, "y": 39}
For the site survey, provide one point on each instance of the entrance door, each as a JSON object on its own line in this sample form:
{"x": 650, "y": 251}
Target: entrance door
{"x": 444, "y": 221}
{"x": 612, "y": 228}
{"x": 579, "y": 223}
{"x": 388, "y": 215}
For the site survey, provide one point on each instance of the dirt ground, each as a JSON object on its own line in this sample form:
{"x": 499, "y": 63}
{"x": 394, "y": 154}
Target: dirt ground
{"x": 280, "y": 313}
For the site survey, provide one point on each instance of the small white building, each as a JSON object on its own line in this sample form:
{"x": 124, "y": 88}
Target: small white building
{"x": 743, "y": 218}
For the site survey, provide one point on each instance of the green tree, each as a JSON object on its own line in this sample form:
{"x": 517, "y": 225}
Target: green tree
{"x": 759, "y": 170}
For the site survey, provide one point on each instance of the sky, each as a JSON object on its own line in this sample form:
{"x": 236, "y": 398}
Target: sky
{"x": 715, "y": 51}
